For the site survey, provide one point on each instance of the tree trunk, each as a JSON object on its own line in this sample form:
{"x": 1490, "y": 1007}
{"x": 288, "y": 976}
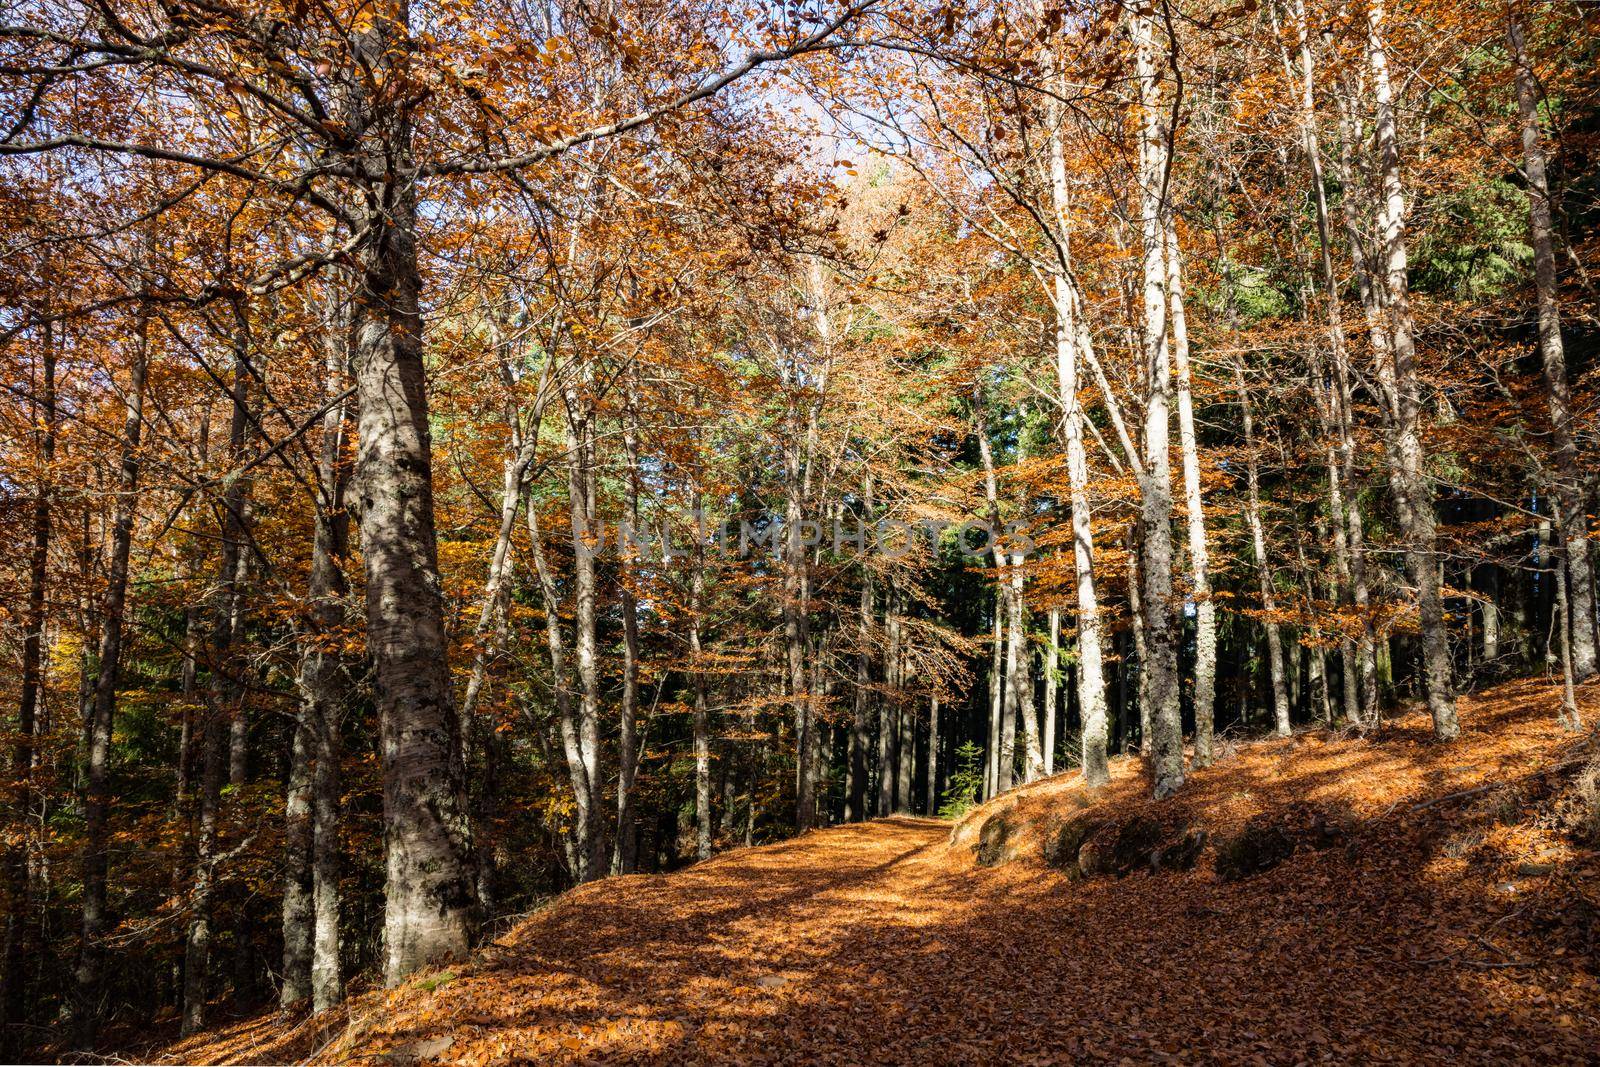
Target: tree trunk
{"x": 224, "y": 704}
{"x": 563, "y": 693}
{"x": 886, "y": 712}
{"x": 860, "y": 723}
{"x": 1574, "y": 528}
{"x": 298, "y": 880}
{"x": 702, "y": 722}
{"x": 14, "y": 1004}
{"x": 1491, "y": 631}
{"x": 885, "y": 760}
{"x": 905, "y": 740}
{"x": 1019, "y": 675}
{"x": 1569, "y": 716}
{"x": 860, "y": 737}
{"x": 587, "y": 537}
{"x": 197, "y": 943}
{"x": 1091, "y": 658}
{"x": 1006, "y": 697}
{"x": 905, "y": 757}
{"x": 1137, "y": 628}
{"x": 628, "y": 725}
{"x": 1160, "y": 666}
{"x": 794, "y": 619}
{"x": 997, "y": 690}
{"x": 1052, "y": 698}
{"x": 1357, "y": 657}
{"x": 1397, "y": 375}
{"x": 794, "y": 640}
{"x": 97, "y": 725}
{"x": 311, "y": 898}
{"x": 431, "y": 892}
{"x": 1205, "y": 609}
{"x": 1269, "y": 600}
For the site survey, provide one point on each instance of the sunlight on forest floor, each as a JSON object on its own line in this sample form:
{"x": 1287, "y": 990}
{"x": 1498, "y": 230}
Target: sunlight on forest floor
{"x": 1448, "y": 932}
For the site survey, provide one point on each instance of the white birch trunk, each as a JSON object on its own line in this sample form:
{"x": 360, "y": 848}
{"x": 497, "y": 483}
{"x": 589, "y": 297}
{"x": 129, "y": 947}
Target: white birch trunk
{"x": 1160, "y": 669}
{"x": 1205, "y": 641}
{"x": 1413, "y": 496}
{"x": 1090, "y": 670}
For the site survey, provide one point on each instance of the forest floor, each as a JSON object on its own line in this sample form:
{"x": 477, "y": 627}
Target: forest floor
{"x": 1447, "y": 918}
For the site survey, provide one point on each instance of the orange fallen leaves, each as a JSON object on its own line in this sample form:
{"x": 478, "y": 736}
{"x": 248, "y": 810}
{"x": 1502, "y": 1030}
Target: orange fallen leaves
{"x": 892, "y": 947}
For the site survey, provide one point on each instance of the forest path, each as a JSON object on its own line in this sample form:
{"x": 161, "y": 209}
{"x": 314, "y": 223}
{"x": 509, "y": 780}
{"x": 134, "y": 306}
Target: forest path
{"x": 879, "y": 943}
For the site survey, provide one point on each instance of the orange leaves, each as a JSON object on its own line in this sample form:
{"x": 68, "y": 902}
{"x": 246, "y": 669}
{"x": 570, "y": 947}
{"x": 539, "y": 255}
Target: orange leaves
{"x": 882, "y": 942}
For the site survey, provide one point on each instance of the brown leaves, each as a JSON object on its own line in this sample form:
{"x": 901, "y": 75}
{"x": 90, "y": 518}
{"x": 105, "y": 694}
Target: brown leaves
{"x": 881, "y": 942}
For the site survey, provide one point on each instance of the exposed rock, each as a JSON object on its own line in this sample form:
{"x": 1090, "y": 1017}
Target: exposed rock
{"x": 994, "y": 843}
{"x": 1258, "y": 847}
{"x": 1180, "y": 855}
{"x": 1061, "y": 846}
{"x": 1120, "y": 849}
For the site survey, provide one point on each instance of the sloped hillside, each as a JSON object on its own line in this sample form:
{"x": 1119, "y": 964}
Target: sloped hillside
{"x": 1395, "y": 901}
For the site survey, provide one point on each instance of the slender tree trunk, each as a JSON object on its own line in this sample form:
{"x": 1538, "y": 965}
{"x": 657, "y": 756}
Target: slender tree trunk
{"x": 1019, "y": 682}
{"x": 1090, "y": 670}
{"x": 1008, "y": 679}
{"x": 98, "y": 723}
{"x": 188, "y": 679}
{"x": 821, "y": 731}
{"x": 311, "y": 898}
{"x": 997, "y": 690}
{"x": 1397, "y": 374}
{"x": 794, "y": 616}
{"x": 587, "y": 543}
{"x": 1491, "y": 627}
{"x": 1136, "y": 629}
{"x": 224, "y": 704}
{"x": 197, "y": 943}
{"x": 1205, "y": 609}
{"x": 904, "y": 741}
{"x": 327, "y": 975}
{"x": 886, "y": 750}
{"x": 905, "y": 756}
{"x": 1357, "y": 657}
{"x": 887, "y": 739}
{"x": 1569, "y": 717}
{"x": 794, "y": 638}
{"x": 1574, "y": 530}
{"x": 798, "y": 450}
{"x": 860, "y": 736}
{"x": 1269, "y": 600}
{"x": 1366, "y": 286}
{"x": 628, "y": 726}
{"x": 491, "y": 621}
{"x": 31, "y": 697}
{"x": 298, "y": 917}
{"x": 702, "y": 720}
{"x": 563, "y": 692}
{"x": 1052, "y": 699}
{"x": 14, "y": 1004}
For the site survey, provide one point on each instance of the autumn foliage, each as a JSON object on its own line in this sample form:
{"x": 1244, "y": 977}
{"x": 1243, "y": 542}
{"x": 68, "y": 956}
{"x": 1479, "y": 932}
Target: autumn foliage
{"x": 454, "y": 454}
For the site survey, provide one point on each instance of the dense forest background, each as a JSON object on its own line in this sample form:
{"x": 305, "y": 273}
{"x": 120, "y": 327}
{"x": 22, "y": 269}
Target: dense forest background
{"x": 454, "y": 451}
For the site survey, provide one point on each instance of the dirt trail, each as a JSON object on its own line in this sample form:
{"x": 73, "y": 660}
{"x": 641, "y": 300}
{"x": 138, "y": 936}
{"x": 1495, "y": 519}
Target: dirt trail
{"x": 878, "y": 943}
